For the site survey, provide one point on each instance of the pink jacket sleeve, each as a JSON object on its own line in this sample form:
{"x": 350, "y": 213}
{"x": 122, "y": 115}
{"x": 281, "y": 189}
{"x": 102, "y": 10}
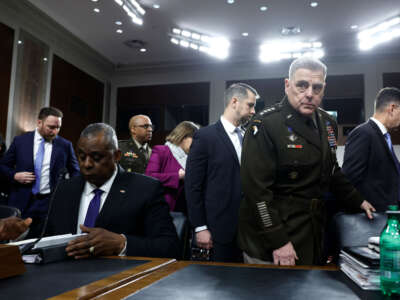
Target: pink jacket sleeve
{"x": 160, "y": 168}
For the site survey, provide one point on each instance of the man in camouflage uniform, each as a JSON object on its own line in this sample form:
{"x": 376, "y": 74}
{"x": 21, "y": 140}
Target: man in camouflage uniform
{"x": 288, "y": 164}
{"x": 136, "y": 151}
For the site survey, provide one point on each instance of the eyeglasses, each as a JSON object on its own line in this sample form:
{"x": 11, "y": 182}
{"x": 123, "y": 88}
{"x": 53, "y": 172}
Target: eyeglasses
{"x": 302, "y": 86}
{"x": 145, "y": 126}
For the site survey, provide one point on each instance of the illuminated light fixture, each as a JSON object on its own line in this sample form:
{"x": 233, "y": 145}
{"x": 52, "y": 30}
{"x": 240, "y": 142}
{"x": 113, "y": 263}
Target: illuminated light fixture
{"x": 279, "y": 50}
{"x": 45, "y": 59}
{"x": 213, "y": 46}
{"x": 95, "y": 0}
{"x": 156, "y": 6}
{"x": 133, "y": 10}
{"x": 354, "y": 27}
{"x": 245, "y": 34}
{"x": 96, "y": 10}
{"x": 119, "y": 31}
{"x": 230, "y": 1}
{"x": 118, "y": 23}
{"x": 19, "y": 42}
{"x": 142, "y": 50}
{"x": 314, "y": 4}
{"x": 380, "y": 33}
{"x": 263, "y": 8}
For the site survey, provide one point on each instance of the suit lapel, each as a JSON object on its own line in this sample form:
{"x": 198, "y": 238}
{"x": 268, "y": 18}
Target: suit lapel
{"x": 226, "y": 140}
{"x": 382, "y": 140}
{"x": 297, "y": 124}
{"x": 30, "y": 149}
{"x": 115, "y": 199}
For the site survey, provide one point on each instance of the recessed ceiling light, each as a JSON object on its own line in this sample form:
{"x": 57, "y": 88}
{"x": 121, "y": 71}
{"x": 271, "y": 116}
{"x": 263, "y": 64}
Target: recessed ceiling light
{"x": 44, "y": 58}
{"x": 96, "y": 10}
{"x": 354, "y": 27}
{"x": 95, "y": 0}
{"x": 119, "y": 31}
{"x": 245, "y": 33}
{"x": 263, "y": 8}
{"x": 230, "y": 1}
{"x": 143, "y": 50}
{"x": 19, "y": 42}
{"x": 119, "y": 23}
{"x": 156, "y": 6}
{"x": 314, "y": 4}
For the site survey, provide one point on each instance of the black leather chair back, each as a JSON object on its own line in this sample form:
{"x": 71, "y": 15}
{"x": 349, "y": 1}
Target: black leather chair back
{"x": 9, "y": 211}
{"x": 355, "y": 229}
{"x": 182, "y": 229}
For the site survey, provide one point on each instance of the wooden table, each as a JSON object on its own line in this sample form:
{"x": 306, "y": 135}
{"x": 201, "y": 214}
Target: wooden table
{"x": 39, "y": 282}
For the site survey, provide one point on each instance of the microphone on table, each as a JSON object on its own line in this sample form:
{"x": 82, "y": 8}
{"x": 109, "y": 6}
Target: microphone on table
{"x": 27, "y": 247}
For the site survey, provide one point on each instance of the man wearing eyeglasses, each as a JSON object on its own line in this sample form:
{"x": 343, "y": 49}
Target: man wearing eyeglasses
{"x": 369, "y": 159}
{"x": 288, "y": 164}
{"x": 136, "y": 151}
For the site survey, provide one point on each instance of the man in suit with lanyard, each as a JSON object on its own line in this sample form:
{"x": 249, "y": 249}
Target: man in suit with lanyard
{"x": 212, "y": 181}
{"x": 32, "y": 165}
{"x": 369, "y": 159}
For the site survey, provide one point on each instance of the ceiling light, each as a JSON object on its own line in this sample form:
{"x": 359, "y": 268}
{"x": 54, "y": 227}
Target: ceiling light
{"x": 142, "y": 49}
{"x": 95, "y": 0}
{"x": 263, "y": 8}
{"x": 119, "y": 31}
{"x": 156, "y": 6}
{"x": 217, "y": 47}
{"x": 133, "y": 10}
{"x": 314, "y": 4}
{"x": 354, "y": 27}
{"x": 245, "y": 33}
{"x": 19, "y": 42}
{"x": 96, "y": 10}
{"x": 230, "y": 1}
{"x": 44, "y": 58}
{"x": 119, "y": 23}
{"x": 291, "y": 30}
{"x": 278, "y": 50}
{"x": 380, "y": 33}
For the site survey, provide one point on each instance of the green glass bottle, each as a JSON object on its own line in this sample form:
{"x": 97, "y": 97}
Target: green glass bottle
{"x": 390, "y": 253}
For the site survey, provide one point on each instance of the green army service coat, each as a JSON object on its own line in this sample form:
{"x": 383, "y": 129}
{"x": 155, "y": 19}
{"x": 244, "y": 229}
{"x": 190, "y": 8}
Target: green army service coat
{"x": 286, "y": 168}
{"x": 132, "y": 160}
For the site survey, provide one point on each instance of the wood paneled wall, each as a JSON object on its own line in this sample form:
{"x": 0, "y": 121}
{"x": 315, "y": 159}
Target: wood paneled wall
{"x": 78, "y": 95}
{"x": 6, "y": 52}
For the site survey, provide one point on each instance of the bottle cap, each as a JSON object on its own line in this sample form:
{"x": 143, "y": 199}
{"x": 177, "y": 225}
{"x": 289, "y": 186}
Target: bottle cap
{"x": 393, "y": 207}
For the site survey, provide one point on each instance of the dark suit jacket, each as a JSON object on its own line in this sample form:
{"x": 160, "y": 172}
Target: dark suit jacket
{"x": 19, "y": 158}
{"x": 135, "y": 206}
{"x": 371, "y": 167}
{"x": 212, "y": 183}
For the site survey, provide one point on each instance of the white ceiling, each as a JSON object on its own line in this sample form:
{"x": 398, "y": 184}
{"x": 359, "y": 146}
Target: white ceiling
{"x": 329, "y": 23}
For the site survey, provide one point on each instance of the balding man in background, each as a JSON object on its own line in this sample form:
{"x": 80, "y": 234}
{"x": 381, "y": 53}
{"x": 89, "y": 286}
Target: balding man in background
{"x": 136, "y": 151}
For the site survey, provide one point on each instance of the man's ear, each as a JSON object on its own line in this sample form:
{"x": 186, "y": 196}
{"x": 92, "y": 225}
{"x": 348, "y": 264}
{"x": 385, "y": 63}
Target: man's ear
{"x": 117, "y": 155}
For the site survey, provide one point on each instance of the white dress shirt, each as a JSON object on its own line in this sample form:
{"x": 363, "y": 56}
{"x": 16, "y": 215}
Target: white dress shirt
{"x": 380, "y": 125}
{"x": 45, "y": 173}
{"x": 230, "y": 131}
{"x": 88, "y": 194}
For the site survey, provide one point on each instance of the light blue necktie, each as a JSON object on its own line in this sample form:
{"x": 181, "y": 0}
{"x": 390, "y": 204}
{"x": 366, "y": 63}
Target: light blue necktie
{"x": 239, "y": 134}
{"x": 93, "y": 209}
{"x": 38, "y": 167}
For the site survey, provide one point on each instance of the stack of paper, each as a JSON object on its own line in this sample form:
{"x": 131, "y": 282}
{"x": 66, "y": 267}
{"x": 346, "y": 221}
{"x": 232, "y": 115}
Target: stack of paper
{"x": 361, "y": 264}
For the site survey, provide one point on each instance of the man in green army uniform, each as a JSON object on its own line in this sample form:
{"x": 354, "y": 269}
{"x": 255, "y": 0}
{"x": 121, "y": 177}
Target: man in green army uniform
{"x": 136, "y": 151}
{"x": 288, "y": 164}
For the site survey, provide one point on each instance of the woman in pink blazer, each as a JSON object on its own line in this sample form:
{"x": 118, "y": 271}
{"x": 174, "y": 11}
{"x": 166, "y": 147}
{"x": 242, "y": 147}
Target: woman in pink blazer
{"x": 168, "y": 162}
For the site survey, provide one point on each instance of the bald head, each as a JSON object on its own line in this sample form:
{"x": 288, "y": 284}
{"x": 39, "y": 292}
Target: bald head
{"x": 141, "y": 128}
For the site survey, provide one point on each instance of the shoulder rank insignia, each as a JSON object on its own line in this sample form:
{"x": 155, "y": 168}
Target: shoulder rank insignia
{"x": 254, "y": 128}
{"x": 267, "y": 110}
